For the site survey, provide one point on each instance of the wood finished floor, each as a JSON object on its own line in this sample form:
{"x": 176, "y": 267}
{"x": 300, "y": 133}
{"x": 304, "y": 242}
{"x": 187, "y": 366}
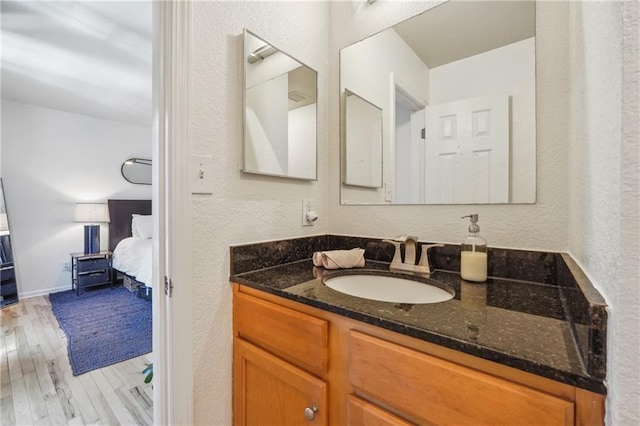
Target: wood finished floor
{"x": 39, "y": 388}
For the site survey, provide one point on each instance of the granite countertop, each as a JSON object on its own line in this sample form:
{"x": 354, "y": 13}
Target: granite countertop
{"x": 523, "y": 324}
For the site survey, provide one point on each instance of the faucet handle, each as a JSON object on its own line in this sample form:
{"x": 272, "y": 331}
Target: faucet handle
{"x": 397, "y": 256}
{"x": 424, "y": 258}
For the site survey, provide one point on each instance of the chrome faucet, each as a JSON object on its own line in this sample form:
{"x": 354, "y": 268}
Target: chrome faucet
{"x": 410, "y": 249}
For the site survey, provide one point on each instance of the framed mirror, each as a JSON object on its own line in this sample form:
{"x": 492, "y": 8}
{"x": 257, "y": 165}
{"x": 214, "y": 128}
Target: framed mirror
{"x": 456, "y": 89}
{"x": 363, "y": 142}
{"x": 137, "y": 171}
{"x": 280, "y": 112}
{"x": 8, "y": 280}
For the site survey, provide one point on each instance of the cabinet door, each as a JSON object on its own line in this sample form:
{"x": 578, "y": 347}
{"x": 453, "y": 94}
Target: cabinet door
{"x": 363, "y": 413}
{"x": 444, "y": 393}
{"x": 269, "y": 391}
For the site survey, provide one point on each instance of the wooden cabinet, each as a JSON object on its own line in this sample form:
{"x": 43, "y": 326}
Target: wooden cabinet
{"x": 277, "y": 355}
{"x": 270, "y": 391}
{"x": 289, "y": 356}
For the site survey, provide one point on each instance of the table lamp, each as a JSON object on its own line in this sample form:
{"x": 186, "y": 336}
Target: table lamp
{"x": 93, "y": 214}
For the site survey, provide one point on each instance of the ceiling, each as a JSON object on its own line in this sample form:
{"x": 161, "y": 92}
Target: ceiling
{"x": 83, "y": 57}
{"x": 458, "y": 29}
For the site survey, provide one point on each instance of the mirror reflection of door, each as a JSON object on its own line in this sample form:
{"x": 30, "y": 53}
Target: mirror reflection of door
{"x": 410, "y": 149}
{"x": 8, "y": 281}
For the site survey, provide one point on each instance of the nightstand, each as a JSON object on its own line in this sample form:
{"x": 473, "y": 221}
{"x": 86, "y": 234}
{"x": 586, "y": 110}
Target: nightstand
{"x": 88, "y": 270}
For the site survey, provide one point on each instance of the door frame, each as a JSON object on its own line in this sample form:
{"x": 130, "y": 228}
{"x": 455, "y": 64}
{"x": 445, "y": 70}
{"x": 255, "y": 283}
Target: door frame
{"x": 172, "y": 295}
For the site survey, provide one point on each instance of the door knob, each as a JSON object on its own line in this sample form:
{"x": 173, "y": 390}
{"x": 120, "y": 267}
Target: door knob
{"x": 310, "y": 413}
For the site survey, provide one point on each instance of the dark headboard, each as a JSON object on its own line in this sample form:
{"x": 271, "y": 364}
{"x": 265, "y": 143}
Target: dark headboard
{"x": 120, "y": 212}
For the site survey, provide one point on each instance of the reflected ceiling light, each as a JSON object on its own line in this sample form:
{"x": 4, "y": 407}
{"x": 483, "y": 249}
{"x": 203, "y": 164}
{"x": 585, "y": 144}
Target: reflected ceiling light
{"x": 261, "y": 53}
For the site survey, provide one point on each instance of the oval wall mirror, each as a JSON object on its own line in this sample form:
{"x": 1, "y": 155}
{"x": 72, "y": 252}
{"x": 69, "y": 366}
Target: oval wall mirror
{"x": 137, "y": 171}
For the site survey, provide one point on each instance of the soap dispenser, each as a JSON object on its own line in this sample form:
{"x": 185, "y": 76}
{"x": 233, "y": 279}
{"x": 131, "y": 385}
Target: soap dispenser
{"x": 473, "y": 254}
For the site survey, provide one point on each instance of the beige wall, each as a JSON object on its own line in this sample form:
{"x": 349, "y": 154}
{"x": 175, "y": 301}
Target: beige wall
{"x": 604, "y": 182}
{"x": 243, "y": 207}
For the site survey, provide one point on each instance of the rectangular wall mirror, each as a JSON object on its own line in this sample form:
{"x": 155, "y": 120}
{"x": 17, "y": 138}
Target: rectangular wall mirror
{"x": 280, "y": 112}
{"x": 456, "y": 86}
{"x": 363, "y": 142}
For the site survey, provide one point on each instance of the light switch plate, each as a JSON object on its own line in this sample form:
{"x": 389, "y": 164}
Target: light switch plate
{"x": 201, "y": 174}
{"x": 307, "y": 206}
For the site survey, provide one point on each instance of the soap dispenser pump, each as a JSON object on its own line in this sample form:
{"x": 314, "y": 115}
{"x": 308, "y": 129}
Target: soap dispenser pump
{"x": 473, "y": 254}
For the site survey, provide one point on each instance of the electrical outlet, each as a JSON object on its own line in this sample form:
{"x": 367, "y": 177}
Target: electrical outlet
{"x": 307, "y": 208}
{"x": 66, "y": 266}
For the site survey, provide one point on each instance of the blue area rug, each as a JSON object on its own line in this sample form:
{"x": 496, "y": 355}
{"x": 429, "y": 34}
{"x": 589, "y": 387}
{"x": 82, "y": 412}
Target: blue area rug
{"x": 103, "y": 326}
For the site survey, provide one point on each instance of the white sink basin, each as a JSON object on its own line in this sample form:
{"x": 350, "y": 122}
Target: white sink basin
{"x": 388, "y": 289}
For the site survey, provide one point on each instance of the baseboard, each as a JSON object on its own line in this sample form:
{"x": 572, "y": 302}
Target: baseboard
{"x": 36, "y": 293}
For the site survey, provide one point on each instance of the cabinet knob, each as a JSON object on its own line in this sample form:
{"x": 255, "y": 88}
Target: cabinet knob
{"x": 310, "y": 413}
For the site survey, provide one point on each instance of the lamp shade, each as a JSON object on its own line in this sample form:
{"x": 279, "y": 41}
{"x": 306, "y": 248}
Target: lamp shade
{"x": 91, "y": 213}
{"x": 4, "y": 222}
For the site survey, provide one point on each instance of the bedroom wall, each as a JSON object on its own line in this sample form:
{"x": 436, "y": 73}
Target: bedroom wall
{"x": 243, "y": 207}
{"x": 52, "y": 160}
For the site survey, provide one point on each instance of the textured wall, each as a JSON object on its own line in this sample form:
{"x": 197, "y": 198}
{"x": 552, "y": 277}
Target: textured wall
{"x": 538, "y": 226}
{"x": 604, "y": 183}
{"x": 43, "y": 180}
{"x": 243, "y": 207}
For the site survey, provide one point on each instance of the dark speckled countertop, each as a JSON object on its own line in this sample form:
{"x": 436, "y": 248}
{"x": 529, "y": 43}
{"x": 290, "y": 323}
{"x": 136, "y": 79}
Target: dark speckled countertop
{"x": 554, "y": 328}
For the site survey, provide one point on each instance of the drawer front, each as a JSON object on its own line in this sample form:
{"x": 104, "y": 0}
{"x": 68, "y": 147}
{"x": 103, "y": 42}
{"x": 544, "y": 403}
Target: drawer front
{"x": 441, "y": 392}
{"x": 86, "y": 280}
{"x": 363, "y": 413}
{"x": 297, "y": 337}
{"x": 7, "y": 274}
{"x": 8, "y": 288}
{"x": 87, "y": 265}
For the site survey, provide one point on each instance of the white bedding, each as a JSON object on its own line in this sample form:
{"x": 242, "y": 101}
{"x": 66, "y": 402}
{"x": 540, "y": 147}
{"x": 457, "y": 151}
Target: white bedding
{"x": 133, "y": 257}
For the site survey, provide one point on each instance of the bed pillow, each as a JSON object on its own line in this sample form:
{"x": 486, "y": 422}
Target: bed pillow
{"x": 142, "y": 225}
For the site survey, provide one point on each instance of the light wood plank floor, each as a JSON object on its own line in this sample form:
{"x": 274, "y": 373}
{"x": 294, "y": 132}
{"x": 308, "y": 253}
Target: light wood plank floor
{"x": 37, "y": 386}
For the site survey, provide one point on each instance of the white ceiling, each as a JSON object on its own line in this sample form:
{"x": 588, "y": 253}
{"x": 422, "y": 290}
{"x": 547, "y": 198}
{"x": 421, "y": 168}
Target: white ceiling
{"x": 84, "y": 57}
{"x": 459, "y": 29}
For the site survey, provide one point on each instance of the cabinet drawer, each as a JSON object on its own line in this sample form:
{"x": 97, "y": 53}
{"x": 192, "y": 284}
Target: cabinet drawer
{"x": 297, "y": 337}
{"x": 87, "y": 280}
{"x": 95, "y": 264}
{"x": 441, "y": 392}
{"x": 363, "y": 413}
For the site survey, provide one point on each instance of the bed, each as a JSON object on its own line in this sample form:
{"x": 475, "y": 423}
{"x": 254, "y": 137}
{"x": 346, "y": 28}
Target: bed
{"x": 131, "y": 243}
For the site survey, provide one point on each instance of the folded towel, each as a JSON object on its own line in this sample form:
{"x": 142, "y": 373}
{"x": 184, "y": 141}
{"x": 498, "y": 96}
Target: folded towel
{"x": 337, "y": 259}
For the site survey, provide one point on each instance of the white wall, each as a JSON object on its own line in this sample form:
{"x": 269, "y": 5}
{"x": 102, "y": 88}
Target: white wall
{"x": 267, "y": 139}
{"x": 302, "y": 140}
{"x": 52, "y": 160}
{"x": 510, "y": 71}
{"x": 540, "y": 226}
{"x": 604, "y": 187}
{"x": 243, "y": 207}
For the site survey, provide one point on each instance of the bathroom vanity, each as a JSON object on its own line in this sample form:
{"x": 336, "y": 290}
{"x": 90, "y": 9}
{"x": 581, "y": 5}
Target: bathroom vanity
{"x": 525, "y": 347}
